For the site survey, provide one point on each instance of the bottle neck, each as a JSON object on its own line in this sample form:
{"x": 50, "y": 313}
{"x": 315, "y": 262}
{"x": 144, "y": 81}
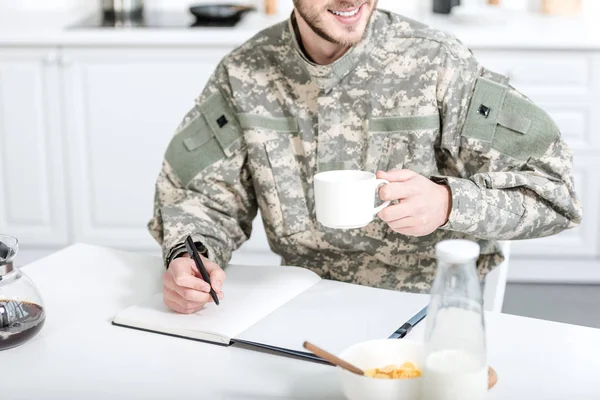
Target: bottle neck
{"x": 458, "y": 280}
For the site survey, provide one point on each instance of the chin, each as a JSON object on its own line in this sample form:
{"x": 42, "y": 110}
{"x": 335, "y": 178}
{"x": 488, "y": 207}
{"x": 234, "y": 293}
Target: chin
{"x": 352, "y": 39}
{"x": 348, "y": 34}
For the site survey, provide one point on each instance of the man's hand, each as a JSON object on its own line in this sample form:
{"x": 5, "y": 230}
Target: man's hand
{"x": 423, "y": 205}
{"x": 184, "y": 290}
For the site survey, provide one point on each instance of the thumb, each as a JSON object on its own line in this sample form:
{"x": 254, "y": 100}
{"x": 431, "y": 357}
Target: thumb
{"x": 398, "y": 175}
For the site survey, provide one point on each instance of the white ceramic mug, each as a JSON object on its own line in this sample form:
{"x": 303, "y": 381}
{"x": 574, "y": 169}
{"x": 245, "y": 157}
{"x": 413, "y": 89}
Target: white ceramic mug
{"x": 345, "y": 199}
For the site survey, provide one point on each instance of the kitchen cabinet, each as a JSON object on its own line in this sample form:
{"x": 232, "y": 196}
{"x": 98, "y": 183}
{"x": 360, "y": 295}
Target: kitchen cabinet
{"x": 596, "y": 76}
{"x": 123, "y": 106}
{"x": 32, "y": 190}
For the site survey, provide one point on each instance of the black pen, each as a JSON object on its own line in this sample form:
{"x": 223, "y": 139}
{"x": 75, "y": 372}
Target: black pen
{"x": 411, "y": 323}
{"x": 193, "y": 252}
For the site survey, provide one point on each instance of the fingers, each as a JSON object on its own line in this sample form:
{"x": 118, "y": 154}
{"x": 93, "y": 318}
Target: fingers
{"x": 398, "y": 175}
{"x": 396, "y": 191}
{"x": 423, "y": 205}
{"x": 184, "y": 300}
{"x": 216, "y": 274}
{"x": 178, "y": 304}
{"x": 402, "y": 224}
{"x": 416, "y": 231}
{"x": 395, "y": 212}
{"x": 411, "y": 225}
{"x": 406, "y": 218}
{"x": 191, "y": 282}
{"x": 184, "y": 290}
{"x": 217, "y": 277}
{"x": 184, "y": 273}
{"x": 187, "y": 294}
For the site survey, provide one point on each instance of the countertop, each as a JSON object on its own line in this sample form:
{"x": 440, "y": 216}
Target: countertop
{"x": 78, "y": 354}
{"x": 514, "y": 30}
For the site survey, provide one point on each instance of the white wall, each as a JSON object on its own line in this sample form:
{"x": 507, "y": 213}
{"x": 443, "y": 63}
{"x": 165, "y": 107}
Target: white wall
{"x": 285, "y": 5}
{"x": 590, "y": 6}
{"x": 39, "y": 4}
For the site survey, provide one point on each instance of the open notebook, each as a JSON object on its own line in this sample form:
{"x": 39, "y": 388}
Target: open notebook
{"x": 278, "y": 308}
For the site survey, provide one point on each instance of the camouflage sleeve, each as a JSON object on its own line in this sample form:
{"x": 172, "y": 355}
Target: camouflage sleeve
{"x": 508, "y": 168}
{"x": 204, "y": 188}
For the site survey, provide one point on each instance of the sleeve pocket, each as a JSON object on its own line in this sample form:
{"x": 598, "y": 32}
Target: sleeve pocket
{"x": 223, "y": 123}
{"x": 503, "y": 120}
{"x": 212, "y": 135}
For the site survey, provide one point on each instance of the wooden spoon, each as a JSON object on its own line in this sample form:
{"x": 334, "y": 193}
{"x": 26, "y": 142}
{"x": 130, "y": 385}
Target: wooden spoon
{"x": 332, "y": 359}
{"x": 492, "y": 378}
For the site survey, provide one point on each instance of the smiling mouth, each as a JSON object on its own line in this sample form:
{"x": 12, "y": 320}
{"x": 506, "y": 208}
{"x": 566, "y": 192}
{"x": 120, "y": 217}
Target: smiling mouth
{"x": 346, "y": 14}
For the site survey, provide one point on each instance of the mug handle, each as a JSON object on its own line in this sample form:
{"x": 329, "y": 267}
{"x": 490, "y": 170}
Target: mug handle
{"x": 379, "y": 183}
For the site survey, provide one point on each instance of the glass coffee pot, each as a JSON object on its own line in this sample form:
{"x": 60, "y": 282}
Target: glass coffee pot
{"x": 22, "y": 313}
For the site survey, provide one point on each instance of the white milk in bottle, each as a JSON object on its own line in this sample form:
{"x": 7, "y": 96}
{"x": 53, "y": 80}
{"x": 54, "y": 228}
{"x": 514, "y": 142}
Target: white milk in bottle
{"x": 455, "y": 364}
{"x": 454, "y": 374}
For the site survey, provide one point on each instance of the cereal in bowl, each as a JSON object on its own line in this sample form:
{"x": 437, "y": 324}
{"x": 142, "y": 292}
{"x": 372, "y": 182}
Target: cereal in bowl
{"x": 392, "y": 371}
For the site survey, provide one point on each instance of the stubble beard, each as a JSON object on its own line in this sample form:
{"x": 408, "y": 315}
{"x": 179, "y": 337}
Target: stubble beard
{"x": 313, "y": 19}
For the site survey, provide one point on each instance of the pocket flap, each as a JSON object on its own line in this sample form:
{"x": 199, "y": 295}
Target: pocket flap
{"x": 211, "y": 135}
{"x": 193, "y": 149}
{"x": 278, "y": 124}
{"x": 524, "y": 129}
{"x": 514, "y": 121}
{"x": 399, "y": 124}
{"x": 198, "y": 139}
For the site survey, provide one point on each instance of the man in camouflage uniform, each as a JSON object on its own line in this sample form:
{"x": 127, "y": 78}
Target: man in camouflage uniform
{"x": 342, "y": 85}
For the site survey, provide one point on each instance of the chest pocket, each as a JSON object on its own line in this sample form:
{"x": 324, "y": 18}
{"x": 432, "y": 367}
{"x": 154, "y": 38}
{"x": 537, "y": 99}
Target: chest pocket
{"x": 277, "y": 174}
{"x": 402, "y": 142}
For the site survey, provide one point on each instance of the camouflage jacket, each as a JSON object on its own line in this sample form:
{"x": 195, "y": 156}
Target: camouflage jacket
{"x": 407, "y": 96}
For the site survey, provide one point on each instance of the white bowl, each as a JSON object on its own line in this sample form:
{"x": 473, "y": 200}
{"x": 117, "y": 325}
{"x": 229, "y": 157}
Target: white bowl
{"x": 377, "y": 354}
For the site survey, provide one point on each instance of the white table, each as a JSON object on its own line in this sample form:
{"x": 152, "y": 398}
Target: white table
{"x": 80, "y": 355}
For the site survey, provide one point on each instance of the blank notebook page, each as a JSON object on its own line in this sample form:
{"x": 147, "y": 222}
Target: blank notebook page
{"x": 251, "y": 293}
{"x": 335, "y": 315}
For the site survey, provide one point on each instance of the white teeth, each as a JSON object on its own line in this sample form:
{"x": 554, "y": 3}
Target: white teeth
{"x": 346, "y": 14}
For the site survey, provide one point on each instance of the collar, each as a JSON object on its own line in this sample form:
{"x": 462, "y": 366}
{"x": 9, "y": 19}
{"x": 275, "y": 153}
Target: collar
{"x": 328, "y": 76}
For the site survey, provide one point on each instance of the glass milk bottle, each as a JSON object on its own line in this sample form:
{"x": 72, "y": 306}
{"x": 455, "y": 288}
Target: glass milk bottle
{"x": 455, "y": 363}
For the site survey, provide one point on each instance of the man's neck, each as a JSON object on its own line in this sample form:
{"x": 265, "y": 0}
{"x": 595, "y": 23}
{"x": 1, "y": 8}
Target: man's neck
{"x": 317, "y": 49}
